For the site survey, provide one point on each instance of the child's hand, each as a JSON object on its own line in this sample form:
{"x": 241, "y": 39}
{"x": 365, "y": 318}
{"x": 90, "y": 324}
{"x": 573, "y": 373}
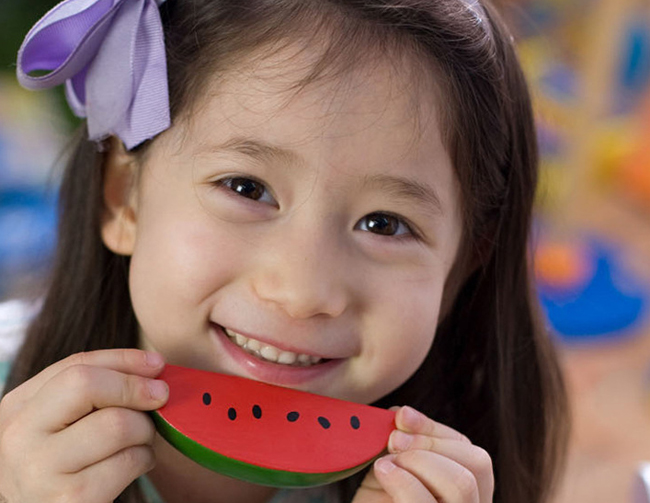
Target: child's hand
{"x": 75, "y": 432}
{"x": 428, "y": 462}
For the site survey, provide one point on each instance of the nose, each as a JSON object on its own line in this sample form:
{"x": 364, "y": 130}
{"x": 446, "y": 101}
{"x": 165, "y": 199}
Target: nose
{"x": 303, "y": 274}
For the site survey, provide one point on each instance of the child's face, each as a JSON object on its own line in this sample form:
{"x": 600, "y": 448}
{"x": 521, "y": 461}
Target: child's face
{"x": 323, "y": 223}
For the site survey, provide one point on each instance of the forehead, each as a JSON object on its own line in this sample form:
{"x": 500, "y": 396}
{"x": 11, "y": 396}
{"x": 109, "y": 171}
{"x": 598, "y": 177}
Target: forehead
{"x": 274, "y": 90}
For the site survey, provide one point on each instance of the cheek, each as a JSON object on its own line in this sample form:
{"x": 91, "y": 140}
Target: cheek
{"x": 402, "y": 334}
{"x": 179, "y": 262}
{"x": 415, "y": 319}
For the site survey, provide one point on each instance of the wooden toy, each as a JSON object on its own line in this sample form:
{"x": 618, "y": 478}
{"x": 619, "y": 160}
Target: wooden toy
{"x": 268, "y": 434}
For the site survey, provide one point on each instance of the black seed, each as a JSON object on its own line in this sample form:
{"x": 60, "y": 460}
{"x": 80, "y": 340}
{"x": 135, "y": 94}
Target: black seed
{"x": 354, "y": 422}
{"x": 232, "y": 414}
{"x": 293, "y": 416}
{"x": 257, "y": 411}
{"x": 207, "y": 399}
{"x": 324, "y": 422}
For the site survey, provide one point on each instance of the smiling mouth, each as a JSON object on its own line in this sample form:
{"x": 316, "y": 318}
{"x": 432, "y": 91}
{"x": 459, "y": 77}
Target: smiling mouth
{"x": 269, "y": 353}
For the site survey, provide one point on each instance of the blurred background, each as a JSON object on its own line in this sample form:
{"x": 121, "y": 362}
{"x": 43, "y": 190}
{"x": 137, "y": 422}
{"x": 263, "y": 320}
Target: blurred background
{"x": 588, "y": 63}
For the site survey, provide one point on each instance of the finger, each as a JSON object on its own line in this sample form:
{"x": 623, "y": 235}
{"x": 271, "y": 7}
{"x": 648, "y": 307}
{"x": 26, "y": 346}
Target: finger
{"x": 447, "y": 480}
{"x": 410, "y": 420}
{"x": 472, "y": 457}
{"x": 78, "y": 390}
{"x": 399, "y": 484}
{"x": 130, "y": 361}
{"x": 98, "y": 436}
{"x": 106, "y": 480}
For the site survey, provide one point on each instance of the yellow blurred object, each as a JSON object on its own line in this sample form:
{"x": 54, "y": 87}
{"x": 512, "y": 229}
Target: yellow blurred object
{"x": 552, "y": 185}
{"x": 615, "y": 145}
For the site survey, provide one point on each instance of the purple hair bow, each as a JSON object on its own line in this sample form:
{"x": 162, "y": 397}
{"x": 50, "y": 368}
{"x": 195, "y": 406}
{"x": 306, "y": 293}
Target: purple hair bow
{"x": 111, "y": 56}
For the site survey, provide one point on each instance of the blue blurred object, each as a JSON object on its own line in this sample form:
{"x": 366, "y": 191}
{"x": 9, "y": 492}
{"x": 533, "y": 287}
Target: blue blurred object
{"x": 635, "y": 59}
{"x": 634, "y": 64}
{"x": 607, "y": 306}
{"x": 31, "y": 141}
{"x": 27, "y": 235}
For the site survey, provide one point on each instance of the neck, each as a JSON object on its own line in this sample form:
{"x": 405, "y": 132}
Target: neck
{"x": 178, "y": 479}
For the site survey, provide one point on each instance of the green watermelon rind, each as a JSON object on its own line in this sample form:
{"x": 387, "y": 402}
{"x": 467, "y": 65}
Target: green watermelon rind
{"x": 247, "y": 471}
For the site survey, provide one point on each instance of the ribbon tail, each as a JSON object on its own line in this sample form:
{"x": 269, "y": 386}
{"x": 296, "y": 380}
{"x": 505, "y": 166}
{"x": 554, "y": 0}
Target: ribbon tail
{"x": 127, "y": 83}
{"x": 109, "y": 83}
{"x": 149, "y": 113}
{"x": 64, "y": 41}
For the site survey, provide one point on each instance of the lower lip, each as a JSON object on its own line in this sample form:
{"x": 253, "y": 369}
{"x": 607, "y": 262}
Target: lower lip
{"x": 274, "y": 373}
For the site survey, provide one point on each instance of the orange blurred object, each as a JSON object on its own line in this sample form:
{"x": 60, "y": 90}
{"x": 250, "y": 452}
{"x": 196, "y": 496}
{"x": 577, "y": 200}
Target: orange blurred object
{"x": 562, "y": 265}
{"x": 635, "y": 175}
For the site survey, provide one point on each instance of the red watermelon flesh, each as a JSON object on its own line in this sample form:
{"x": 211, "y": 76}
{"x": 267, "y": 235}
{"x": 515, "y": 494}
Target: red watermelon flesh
{"x": 271, "y": 431}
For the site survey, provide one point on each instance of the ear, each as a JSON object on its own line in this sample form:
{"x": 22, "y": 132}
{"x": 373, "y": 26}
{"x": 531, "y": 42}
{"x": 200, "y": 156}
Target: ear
{"x": 119, "y": 215}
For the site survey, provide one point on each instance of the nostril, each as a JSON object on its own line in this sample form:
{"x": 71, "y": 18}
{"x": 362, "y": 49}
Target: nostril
{"x": 302, "y": 288}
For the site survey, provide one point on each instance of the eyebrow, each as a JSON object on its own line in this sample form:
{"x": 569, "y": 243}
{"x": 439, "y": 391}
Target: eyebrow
{"x": 258, "y": 150}
{"x": 407, "y": 189}
{"x": 404, "y": 188}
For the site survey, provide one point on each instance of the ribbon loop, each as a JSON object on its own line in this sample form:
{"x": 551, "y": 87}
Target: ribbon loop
{"x": 111, "y": 56}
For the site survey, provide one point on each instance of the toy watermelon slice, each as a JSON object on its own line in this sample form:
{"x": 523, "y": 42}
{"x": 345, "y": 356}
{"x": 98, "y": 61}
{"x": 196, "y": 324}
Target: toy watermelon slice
{"x": 268, "y": 434}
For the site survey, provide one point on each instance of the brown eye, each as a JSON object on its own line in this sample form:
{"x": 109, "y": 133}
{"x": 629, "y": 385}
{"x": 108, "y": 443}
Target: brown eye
{"x": 247, "y": 188}
{"x": 383, "y": 224}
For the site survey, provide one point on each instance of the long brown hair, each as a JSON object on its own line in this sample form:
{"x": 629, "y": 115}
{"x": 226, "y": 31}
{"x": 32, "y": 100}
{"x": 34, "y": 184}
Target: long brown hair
{"x": 492, "y": 372}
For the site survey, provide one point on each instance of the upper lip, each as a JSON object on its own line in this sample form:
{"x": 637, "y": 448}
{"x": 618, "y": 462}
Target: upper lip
{"x": 280, "y": 345}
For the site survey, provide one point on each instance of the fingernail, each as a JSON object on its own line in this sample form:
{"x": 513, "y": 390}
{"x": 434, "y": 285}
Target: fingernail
{"x": 384, "y": 465}
{"x": 153, "y": 359}
{"x": 410, "y": 416}
{"x": 399, "y": 441}
{"x": 158, "y": 389}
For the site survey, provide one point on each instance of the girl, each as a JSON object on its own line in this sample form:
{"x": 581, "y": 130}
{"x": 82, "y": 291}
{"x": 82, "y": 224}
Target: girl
{"x": 341, "y": 204}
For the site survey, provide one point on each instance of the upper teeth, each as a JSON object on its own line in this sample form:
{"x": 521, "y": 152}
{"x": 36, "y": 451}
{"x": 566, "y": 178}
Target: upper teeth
{"x": 271, "y": 353}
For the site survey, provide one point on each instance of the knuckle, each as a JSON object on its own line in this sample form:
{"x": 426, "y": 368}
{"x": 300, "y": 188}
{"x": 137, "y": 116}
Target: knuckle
{"x": 78, "y": 378}
{"x": 129, "y": 457}
{"x": 466, "y": 485}
{"x": 125, "y": 355}
{"x": 118, "y": 423}
{"x": 128, "y": 357}
{"x": 412, "y": 456}
{"x": 408, "y": 458}
{"x": 482, "y": 460}
{"x": 431, "y": 444}
{"x": 150, "y": 430}
{"x": 134, "y": 389}
{"x": 139, "y": 457}
{"x": 149, "y": 459}
{"x": 81, "y": 358}
{"x": 126, "y": 426}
